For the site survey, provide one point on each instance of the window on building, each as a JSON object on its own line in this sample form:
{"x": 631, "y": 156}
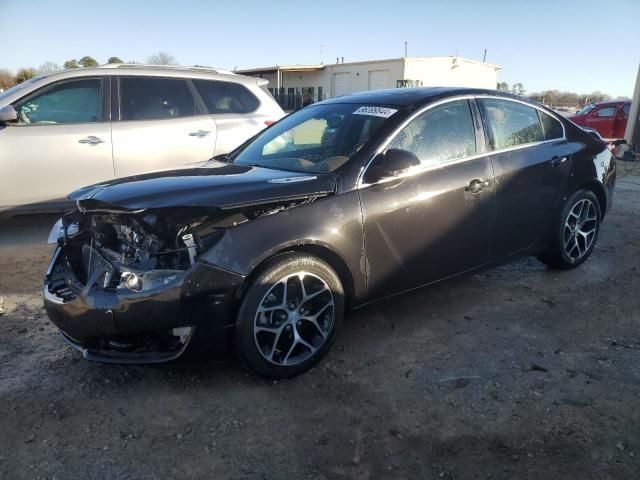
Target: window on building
{"x": 439, "y": 135}
{"x": 149, "y": 98}
{"x": 511, "y": 123}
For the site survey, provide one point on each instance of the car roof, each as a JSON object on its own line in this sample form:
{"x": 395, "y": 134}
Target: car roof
{"x": 415, "y": 96}
{"x": 153, "y": 70}
{"x": 610, "y": 102}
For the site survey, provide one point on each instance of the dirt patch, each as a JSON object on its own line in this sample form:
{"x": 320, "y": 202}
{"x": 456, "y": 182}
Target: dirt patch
{"x": 518, "y": 372}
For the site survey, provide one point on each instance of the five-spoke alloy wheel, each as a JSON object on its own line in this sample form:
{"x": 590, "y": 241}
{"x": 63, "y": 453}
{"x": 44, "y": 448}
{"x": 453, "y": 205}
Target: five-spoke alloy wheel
{"x": 289, "y": 315}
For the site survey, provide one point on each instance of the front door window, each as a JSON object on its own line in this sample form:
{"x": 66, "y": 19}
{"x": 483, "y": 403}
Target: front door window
{"x": 76, "y": 101}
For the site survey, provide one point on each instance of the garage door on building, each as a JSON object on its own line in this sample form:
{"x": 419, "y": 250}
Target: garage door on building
{"x": 341, "y": 84}
{"x": 379, "y": 79}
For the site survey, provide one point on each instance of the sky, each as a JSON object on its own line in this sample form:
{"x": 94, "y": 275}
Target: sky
{"x": 578, "y": 46}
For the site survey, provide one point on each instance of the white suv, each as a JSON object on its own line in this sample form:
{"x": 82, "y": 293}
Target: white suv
{"x": 78, "y": 127}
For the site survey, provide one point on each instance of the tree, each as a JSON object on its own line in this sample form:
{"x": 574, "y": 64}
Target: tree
{"x": 87, "y": 62}
{"x": 7, "y": 80}
{"x": 161, "y": 58}
{"x": 503, "y": 87}
{"x": 518, "y": 89}
{"x": 114, "y": 60}
{"x": 69, "y": 64}
{"x": 48, "y": 67}
{"x": 25, "y": 74}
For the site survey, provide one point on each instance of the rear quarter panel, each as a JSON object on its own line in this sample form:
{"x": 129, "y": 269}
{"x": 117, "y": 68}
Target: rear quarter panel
{"x": 592, "y": 166}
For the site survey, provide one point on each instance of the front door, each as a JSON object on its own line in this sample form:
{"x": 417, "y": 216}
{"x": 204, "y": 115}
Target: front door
{"x": 602, "y": 119}
{"x": 160, "y": 126}
{"x": 61, "y": 141}
{"x": 531, "y": 165}
{"x": 435, "y": 221}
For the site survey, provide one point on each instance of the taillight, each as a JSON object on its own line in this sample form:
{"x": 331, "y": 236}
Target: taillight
{"x": 268, "y": 123}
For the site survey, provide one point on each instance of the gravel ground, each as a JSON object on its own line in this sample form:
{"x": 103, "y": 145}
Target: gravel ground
{"x": 518, "y": 372}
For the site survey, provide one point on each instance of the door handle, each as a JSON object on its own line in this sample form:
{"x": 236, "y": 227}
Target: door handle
{"x": 91, "y": 140}
{"x": 199, "y": 133}
{"x": 557, "y": 161}
{"x": 476, "y": 185}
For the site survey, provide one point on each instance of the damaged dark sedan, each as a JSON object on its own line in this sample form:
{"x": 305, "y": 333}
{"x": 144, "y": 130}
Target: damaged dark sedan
{"x": 341, "y": 203}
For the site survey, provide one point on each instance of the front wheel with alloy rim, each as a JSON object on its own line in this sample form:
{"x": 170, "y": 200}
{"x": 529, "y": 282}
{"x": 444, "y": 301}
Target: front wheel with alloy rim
{"x": 575, "y": 232}
{"x": 289, "y": 315}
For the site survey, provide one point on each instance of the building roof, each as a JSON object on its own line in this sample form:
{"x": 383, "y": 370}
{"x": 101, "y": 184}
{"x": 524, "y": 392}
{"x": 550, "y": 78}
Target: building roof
{"x": 311, "y": 67}
{"x": 282, "y": 68}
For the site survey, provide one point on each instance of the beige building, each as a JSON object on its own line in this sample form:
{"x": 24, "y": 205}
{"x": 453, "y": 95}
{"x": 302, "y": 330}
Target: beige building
{"x": 298, "y": 85}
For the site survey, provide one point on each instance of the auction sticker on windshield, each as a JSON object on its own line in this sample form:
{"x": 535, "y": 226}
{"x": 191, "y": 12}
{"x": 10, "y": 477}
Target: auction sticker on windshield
{"x": 383, "y": 112}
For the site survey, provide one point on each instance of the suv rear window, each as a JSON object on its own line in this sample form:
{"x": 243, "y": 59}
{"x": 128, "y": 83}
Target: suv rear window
{"x": 226, "y": 97}
{"x": 150, "y": 98}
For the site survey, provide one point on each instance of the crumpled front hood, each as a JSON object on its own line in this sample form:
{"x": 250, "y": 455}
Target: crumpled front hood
{"x": 219, "y": 184}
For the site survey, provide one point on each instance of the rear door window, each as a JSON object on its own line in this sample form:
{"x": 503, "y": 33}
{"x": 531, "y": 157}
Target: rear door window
{"x": 551, "y": 127}
{"x": 441, "y": 134}
{"x": 626, "y": 108}
{"x": 76, "y": 101}
{"x": 150, "y": 98}
{"x": 511, "y": 123}
{"x": 226, "y": 97}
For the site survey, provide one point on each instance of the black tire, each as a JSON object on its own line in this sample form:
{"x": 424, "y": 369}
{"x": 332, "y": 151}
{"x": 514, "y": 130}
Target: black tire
{"x": 270, "y": 281}
{"x": 557, "y": 256}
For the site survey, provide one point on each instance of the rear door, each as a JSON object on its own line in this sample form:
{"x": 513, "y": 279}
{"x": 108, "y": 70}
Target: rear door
{"x": 235, "y": 110}
{"x": 436, "y": 221}
{"x": 602, "y": 119}
{"x": 531, "y": 169}
{"x": 61, "y": 141}
{"x": 160, "y": 126}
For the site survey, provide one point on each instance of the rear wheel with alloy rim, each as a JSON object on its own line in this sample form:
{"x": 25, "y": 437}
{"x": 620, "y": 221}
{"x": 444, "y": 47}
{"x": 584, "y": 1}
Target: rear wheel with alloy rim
{"x": 576, "y": 231}
{"x": 289, "y": 315}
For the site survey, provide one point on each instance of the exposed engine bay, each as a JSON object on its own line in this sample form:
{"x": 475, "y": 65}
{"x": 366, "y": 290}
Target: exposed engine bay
{"x": 144, "y": 249}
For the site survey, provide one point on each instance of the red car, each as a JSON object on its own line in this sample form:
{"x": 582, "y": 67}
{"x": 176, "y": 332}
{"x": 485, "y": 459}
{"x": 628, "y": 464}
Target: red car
{"x": 608, "y": 118}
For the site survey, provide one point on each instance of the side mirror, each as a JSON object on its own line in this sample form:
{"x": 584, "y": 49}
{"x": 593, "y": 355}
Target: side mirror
{"x": 8, "y": 114}
{"x": 396, "y": 160}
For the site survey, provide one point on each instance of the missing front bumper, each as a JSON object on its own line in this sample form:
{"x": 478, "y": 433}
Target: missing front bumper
{"x": 159, "y": 347}
{"x": 142, "y": 327}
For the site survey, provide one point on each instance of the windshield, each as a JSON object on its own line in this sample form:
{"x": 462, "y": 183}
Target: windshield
{"x": 20, "y": 86}
{"x": 586, "y": 109}
{"x": 316, "y": 139}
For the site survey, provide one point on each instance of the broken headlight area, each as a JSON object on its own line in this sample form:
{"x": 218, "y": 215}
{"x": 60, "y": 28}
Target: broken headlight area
{"x": 132, "y": 251}
{"x": 147, "y": 250}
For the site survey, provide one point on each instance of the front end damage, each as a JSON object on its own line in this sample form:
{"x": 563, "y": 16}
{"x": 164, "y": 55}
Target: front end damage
{"x": 128, "y": 286}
